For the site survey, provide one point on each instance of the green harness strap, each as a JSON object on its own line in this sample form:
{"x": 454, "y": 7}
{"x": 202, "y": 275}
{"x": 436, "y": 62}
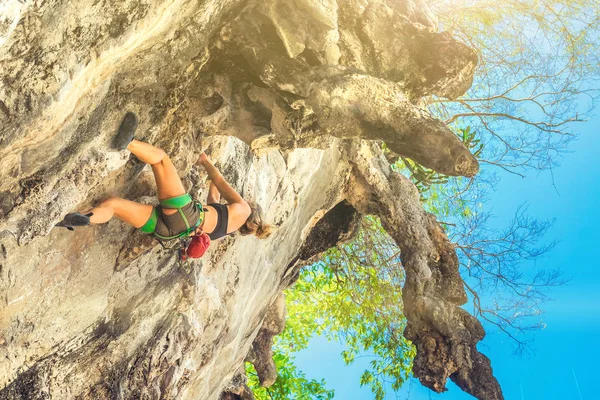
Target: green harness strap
{"x": 150, "y": 225}
{"x": 177, "y": 203}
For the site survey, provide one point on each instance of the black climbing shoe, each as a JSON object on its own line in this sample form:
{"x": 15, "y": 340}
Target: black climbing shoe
{"x": 125, "y": 133}
{"x": 75, "y": 219}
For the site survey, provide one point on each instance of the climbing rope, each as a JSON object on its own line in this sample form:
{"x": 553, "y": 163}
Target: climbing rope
{"x": 179, "y": 245}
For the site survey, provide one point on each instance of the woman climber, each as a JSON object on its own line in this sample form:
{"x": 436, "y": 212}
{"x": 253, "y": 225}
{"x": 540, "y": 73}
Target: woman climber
{"x": 178, "y": 215}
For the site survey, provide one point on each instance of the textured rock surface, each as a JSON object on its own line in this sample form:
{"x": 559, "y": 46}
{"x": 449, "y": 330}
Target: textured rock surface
{"x": 307, "y": 88}
{"x": 261, "y": 354}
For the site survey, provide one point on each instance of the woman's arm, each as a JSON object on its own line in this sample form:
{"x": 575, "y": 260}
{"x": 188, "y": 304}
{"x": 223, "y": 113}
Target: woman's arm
{"x": 224, "y": 188}
{"x": 213, "y": 194}
{"x": 239, "y": 210}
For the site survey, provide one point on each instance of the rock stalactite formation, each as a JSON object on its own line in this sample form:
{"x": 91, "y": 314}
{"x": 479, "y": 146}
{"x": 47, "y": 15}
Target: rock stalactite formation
{"x": 292, "y": 99}
{"x": 261, "y": 354}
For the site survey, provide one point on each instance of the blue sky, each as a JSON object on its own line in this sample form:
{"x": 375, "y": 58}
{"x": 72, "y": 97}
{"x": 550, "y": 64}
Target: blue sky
{"x": 565, "y": 363}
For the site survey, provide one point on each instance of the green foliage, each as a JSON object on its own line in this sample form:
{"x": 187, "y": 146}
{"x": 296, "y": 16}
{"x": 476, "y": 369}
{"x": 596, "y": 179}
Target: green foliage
{"x": 469, "y": 138}
{"x": 352, "y": 295}
{"x": 291, "y": 383}
{"x": 535, "y": 62}
{"x": 445, "y": 201}
{"x": 425, "y": 178}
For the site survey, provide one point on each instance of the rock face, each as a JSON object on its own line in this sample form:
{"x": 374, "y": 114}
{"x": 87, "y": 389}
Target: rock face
{"x": 293, "y": 99}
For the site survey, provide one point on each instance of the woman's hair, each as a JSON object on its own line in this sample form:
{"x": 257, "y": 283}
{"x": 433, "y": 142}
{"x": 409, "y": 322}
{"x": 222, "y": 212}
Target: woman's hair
{"x": 255, "y": 224}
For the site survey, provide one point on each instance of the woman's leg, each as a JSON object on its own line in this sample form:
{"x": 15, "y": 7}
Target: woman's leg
{"x": 133, "y": 213}
{"x": 167, "y": 179}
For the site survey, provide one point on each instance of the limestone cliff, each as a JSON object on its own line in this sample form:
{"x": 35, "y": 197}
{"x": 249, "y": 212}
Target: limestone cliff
{"x": 292, "y": 97}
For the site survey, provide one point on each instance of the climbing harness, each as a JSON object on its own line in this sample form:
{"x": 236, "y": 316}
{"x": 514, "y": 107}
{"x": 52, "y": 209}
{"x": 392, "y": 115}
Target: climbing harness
{"x": 178, "y": 245}
{"x": 176, "y": 203}
{"x": 181, "y": 241}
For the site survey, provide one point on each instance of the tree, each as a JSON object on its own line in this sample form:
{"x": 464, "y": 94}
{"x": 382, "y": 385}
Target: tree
{"x": 494, "y": 261}
{"x": 537, "y": 77}
{"x": 505, "y": 285}
{"x": 291, "y": 383}
{"x": 538, "y": 64}
{"x": 353, "y": 294}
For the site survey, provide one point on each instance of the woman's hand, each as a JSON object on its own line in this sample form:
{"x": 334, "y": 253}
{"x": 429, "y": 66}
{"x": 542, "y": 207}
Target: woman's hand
{"x": 202, "y": 159}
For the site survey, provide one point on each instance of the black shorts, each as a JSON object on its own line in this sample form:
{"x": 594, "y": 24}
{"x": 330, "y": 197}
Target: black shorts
{"x": 169, "y": 226}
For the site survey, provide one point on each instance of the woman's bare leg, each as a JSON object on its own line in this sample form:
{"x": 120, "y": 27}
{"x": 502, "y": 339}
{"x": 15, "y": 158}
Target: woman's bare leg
{"x": 167, "y": 179}
{"x": 146, "y": 152}
{"x": 135, "y": 214}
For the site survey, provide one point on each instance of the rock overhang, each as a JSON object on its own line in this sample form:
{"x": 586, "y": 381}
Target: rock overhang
{"x": 309, "y": 90}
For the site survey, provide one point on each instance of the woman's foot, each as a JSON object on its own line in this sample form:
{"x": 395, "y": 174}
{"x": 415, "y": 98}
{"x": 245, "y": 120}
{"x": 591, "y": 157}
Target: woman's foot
{"x": 75, "y": 219}
{"x": 125, "y": 133}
